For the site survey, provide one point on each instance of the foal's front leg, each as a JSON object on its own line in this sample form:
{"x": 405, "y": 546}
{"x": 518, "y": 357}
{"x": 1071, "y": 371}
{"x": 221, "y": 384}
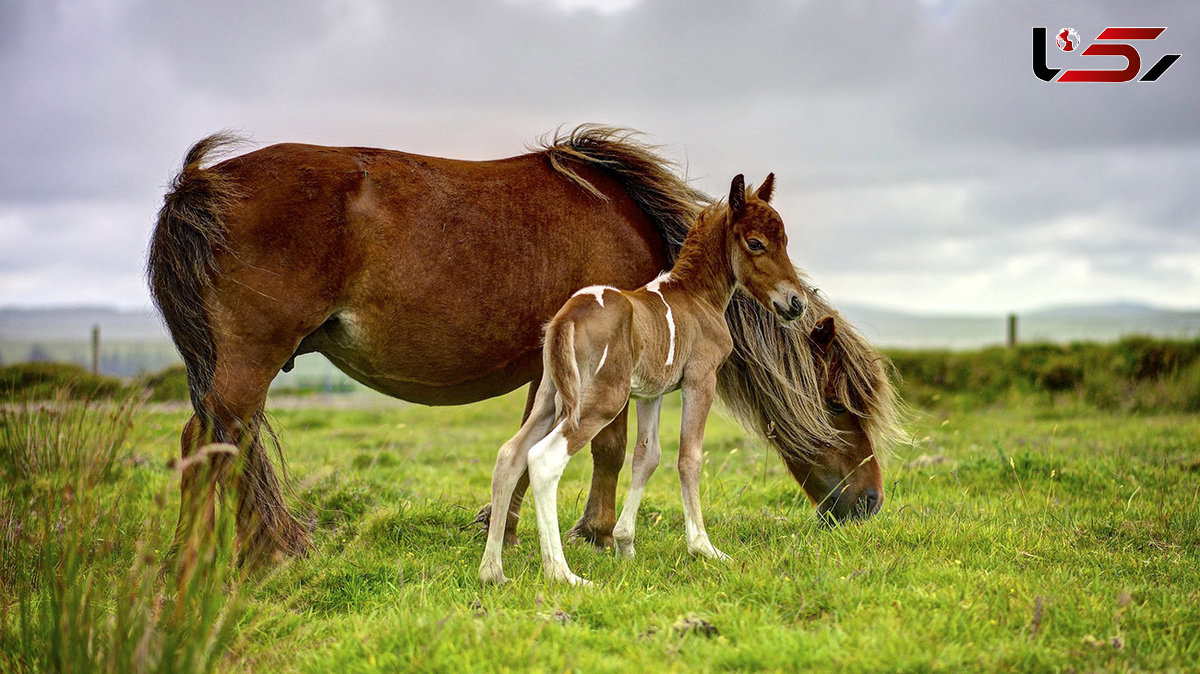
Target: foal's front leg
{"x": 697, "y": 400}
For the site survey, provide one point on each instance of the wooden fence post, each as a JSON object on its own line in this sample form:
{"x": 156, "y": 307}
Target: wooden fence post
{"x": 96, "y": 349}
{"x": 1012, "y": 331}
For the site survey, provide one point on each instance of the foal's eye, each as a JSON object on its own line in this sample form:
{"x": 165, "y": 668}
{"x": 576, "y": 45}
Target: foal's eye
{"x": 834, "y": 406}
{"x": 755, "y": 245}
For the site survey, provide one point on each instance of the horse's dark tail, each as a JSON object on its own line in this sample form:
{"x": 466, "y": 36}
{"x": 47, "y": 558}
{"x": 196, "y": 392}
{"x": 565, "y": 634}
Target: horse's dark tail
{"x": 182, "y": 261}
{"x": 181, "y": 269}
{"x": 769, "y": 382}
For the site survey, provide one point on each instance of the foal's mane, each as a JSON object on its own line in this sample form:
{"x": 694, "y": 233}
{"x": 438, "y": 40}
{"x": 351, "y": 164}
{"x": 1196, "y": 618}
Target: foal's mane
{"x": 771, "y": 383}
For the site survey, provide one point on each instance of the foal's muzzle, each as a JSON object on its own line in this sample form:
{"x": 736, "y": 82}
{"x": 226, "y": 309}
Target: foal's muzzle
{"x": 795, "y": 309}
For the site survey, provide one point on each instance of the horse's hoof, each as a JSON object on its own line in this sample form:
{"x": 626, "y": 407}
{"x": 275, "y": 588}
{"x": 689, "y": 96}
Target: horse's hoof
{"x": 575, "y": 581}
{"x": 484, "y": 519}
{"x": 564, "y": 575}
{"x": 585, "y": 532}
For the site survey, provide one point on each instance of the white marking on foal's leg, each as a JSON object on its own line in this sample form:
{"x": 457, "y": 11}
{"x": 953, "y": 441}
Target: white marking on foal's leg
{"x": 655, "y": 287}
{"x": 595, "y": 291}
{"x": 547, "y": 459}
{"x": 603, "y": 356}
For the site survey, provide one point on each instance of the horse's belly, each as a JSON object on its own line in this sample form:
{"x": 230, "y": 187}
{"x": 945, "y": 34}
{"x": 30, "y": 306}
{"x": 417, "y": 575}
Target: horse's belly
{"x": 433, "y": 365}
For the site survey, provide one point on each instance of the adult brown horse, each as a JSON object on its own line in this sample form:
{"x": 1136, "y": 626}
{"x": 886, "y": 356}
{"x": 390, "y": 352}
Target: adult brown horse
{"x": 430, "y": 279}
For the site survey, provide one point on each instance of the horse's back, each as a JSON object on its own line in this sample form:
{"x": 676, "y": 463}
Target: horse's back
{"x": 439, "y": 272}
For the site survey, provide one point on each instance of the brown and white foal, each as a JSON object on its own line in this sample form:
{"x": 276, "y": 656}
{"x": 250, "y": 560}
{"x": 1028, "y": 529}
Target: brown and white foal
{"x": 607, "y": 345}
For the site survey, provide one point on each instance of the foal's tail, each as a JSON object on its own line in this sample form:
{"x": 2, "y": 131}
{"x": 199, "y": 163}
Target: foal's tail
{"x": 564, "y": 371}
{"x": 182, "y": 264}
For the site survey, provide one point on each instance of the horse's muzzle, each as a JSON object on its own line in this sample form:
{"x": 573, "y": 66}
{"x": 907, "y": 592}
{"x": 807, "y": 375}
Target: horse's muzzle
{"x": 795, "y": 309}
{"x": 844, "y": 508}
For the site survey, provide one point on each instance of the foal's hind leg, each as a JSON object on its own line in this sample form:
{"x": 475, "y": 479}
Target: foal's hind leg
{"x": 484, "y": 516}
{"x": 547, "y": 460}
{"x": 510, "y": 469}
{"x": 645, "y": 459}
{"x": 608, "y": 456}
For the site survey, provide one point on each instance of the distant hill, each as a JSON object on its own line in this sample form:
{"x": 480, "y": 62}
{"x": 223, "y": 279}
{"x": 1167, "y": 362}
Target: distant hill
{"x": 135, "y": 341}
{"x": 1099, "y": 323}
{"x": 75, "y": 323}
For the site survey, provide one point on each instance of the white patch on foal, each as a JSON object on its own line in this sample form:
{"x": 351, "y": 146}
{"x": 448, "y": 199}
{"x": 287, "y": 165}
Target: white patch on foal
{"x": 653, "y": 287}
{"x": 594, "y": 291}
{"x": 603, "y": 356}
{"x": 547, "y": 459}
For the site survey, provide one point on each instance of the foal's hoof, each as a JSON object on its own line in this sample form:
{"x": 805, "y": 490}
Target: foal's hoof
{"x": 572, "y": 580}
{"x": 624, "y": 547}
{"x": 491, "y": 574}
{"x": 484, "y": 519}
{"x": 710, "y": 551}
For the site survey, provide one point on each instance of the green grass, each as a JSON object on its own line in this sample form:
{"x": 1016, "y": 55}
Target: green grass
{"x": 1026, "y": 537}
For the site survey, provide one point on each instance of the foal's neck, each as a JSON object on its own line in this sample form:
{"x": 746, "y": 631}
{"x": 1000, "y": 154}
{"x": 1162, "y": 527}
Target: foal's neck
{"x": 703, "y": 268}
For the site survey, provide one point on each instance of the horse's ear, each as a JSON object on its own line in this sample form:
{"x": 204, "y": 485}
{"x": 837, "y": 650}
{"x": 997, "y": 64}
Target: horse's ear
{"x": 737, "y": 197}
{"x": 766, "y": 188}
{"x": 822, "y": 334}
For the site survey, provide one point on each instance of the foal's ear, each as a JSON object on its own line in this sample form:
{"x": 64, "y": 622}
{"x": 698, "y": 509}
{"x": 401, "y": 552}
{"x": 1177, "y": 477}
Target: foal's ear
{"x": 822, "y": 334}
{"x": 766, "y": 188}
{"x": 737, "y": 197}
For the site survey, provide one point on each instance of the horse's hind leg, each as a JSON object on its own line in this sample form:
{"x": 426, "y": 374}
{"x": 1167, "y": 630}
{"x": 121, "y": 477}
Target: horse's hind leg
{"x": 233, "y": 414}
{"x": 608, "y": 455}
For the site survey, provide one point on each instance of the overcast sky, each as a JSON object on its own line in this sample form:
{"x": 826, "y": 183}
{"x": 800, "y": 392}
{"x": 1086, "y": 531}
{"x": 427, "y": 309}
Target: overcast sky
{"x": 920, "y": 163}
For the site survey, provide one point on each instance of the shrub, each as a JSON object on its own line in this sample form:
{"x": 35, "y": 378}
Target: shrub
{"x": 1059, "y": 373}
{"x": 168, "y": 384}
{"x": 45, "y": 381}
{"x": 1136, "y": 374}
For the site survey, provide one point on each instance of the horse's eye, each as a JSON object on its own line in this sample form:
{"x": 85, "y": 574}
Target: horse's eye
{"x": 834, "y": 406}
{"x": 755, "y": 245}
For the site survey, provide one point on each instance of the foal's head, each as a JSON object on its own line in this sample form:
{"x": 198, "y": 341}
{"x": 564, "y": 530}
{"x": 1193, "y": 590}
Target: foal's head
{"x": 758, "y": 250}
{"x": 844, "y": 481}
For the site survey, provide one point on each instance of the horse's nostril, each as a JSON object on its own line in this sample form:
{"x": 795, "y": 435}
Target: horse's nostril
{"x": 869, "y": 502}
{"x": 796, "y": 305}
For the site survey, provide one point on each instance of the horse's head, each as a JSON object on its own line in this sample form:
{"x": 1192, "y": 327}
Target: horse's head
{"x": 758, "y": 250}
{"x": 844, "y": 479}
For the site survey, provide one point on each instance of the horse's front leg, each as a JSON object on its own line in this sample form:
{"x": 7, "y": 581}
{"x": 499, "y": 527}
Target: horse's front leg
{"x": 697, "y": 400}
{"x": 600, "y": 512}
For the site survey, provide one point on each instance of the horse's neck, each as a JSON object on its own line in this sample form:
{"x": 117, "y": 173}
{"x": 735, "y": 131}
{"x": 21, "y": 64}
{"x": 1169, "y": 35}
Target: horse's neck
{"x": 703, "y": 268}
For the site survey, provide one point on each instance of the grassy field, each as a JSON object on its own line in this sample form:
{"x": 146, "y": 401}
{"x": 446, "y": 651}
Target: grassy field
{"x": 1038, "y": 537}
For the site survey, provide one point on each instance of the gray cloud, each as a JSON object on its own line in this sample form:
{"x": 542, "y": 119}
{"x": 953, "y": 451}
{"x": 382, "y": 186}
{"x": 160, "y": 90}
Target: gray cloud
{"x": 920, "y": 163}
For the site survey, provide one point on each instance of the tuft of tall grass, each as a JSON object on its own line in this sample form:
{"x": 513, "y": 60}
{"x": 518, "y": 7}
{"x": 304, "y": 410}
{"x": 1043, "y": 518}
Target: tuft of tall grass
{"x": 80, "y": 582}
{"x": 62, "y": 439}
